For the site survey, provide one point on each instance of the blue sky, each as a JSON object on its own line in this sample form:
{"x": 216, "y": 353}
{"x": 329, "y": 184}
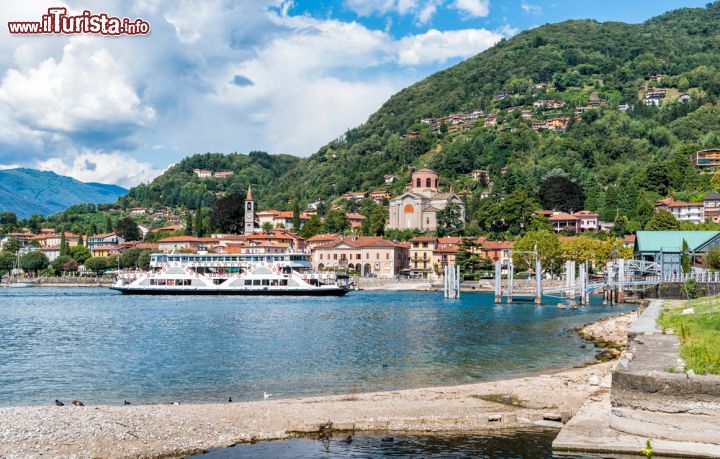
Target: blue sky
{"x": 221, "y": 75}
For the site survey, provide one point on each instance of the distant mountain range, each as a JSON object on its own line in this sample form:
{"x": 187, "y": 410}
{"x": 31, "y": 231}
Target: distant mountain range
{"x": 28, "y": 191}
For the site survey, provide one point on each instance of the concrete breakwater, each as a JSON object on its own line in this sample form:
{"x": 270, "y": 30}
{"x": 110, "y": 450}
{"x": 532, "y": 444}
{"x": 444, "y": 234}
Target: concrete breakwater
{"x": 651, "y": 398}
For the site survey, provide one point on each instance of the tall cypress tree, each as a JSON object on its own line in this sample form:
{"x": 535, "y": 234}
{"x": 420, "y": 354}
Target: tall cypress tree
{"x": 198, "y": 220}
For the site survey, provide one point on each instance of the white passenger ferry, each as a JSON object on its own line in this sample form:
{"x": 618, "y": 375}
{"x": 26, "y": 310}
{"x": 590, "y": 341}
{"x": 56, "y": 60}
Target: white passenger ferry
{"x": 230, "y": 274}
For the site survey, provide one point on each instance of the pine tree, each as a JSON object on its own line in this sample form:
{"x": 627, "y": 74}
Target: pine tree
{"x": 63, "y": 244}
{"x": 296, "y": 223}
{"x": 188, "y": 225}
{"x": 108, "y": 224}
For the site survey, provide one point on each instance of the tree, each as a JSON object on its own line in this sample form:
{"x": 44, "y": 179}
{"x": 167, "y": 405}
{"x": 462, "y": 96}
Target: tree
{"x": 228, "y": 214}
{"x": 712, "y": 258}
{"x": 561, "y": 193}
{"x": 97, "y": 264}
{"x": 108, "y": 224}
{"x": 548, "y": 250}
{"x": 662, "y": 220}
{"x": 374, "y": 223}
{"x": 539, "y": 222}
{"x": 311, "y": 227}
{"x": 127, "y": 229}
{"x": 80, "y": 253}
{"x": 64, "y": 250}
{"x": 7, "y": 262}
{"x": 266, "y": 227}
{"x": 189, "y": 225}
{"x": 449, "y": 221}
{"x": 34, "y": 261}
{"x": 296, "y": 222}
{"x": 469, "y": 258}
{"x": 8, "y": 219}
{"x": 685, "y": 261}
{"x": 58, "y": 263}
{"x": 133, "y": 258}
{"x": 12, "y": 245}
{"x": 199, "y": 230}
{"x": 336, "y": 221}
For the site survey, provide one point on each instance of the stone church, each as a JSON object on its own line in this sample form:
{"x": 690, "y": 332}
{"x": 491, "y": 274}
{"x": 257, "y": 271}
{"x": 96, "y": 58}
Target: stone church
{"x": 417, "y": 208}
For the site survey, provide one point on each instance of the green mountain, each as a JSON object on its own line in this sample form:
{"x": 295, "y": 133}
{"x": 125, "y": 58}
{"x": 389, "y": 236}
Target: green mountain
{"x": 622, "y": 160}
{"x": 28, "y": 191}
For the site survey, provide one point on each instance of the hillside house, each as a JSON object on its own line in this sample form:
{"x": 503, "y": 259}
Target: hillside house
{"x": 223, "y": 174}
{"x": 707, "y": 158}
{"x": 421, "y": 257}
{"x": 389, "y": 179}
{"x": 379, "y": 196}
{"x": 711, "y": 207}
{"x": 202, "y": 173}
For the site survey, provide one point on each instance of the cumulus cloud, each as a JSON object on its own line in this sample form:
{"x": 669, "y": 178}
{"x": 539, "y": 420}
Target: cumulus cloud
{"x": 214, "y": 75}
{"x": 473, "y": 8}
{"x": 96, "y": 166}
{"x": 83, "y": 92}
{"x": 437, "y": 46}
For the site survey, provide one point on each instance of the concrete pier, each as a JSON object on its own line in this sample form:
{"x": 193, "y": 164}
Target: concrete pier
{"x": 650, "y": 398}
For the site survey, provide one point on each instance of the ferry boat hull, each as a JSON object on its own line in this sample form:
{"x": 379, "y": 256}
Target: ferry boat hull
{"x": 315, "y": 291}
{"x": 275, "y": 274}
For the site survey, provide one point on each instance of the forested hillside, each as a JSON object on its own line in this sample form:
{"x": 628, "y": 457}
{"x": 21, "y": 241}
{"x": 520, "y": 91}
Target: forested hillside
{"x": 623, "y": 160}
{"x": 180, "y": 187}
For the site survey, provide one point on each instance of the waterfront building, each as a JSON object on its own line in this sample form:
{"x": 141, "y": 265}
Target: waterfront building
{"x": 106, "y": 250}
{"x": 665, "y": 247}
{"x": 495, "y": 250}
{"x": 417, "y": 208}
{"x": 367, "y": 255}
{"x": 280, "y": 219}
{"x": 51, "y": 252}
{"x": 421, "y": 257}
{"x": 54, "y": 239}
{"x": 193, "y": 244}
{"x": 104, "y": 239}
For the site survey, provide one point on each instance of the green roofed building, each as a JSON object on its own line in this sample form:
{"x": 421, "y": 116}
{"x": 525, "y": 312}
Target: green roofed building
{"x": 665, "y": 247}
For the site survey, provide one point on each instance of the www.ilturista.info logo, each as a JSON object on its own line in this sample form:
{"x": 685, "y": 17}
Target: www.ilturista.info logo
{"x": 56, "y": 21}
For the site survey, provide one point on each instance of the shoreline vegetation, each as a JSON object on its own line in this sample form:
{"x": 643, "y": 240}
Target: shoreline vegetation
{"x": 171, "y": 430}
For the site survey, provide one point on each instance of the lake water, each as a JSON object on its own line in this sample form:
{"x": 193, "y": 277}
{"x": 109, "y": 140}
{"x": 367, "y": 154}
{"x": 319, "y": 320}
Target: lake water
{"x": 102, "y": 347}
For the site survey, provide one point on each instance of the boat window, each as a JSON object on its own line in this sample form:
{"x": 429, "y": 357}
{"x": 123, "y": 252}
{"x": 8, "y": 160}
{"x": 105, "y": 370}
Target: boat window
{"x": 256, "y": 281}
{"x": 248, "y": 282}
{"x": 283, "y": 282}
{"x": 266, "y": 282}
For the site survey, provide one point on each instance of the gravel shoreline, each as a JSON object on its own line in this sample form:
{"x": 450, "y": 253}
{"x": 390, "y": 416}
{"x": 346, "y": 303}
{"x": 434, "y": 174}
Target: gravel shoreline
{"x": 175, "y": 430}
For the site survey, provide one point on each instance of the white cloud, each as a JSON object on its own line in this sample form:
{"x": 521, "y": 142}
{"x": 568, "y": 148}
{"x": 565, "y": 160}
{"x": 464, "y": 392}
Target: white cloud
{"x": 91, "y": 166}
{"x": 473, "y": 8}
{"x": 85, "y": 88}
{"x": 528, "y": 8}
{"x": 437, "y": 46}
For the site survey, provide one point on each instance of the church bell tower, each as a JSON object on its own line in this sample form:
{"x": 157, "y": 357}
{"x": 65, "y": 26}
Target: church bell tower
{"x": 249, "y": 212}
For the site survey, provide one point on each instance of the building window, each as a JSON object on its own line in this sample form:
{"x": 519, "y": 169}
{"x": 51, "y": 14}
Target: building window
{"x": 418, "y": 183}
{"x": 409, "y": 208}
{"x": 436, "y": 183}
{"x": 377, "y": 256}
{"x": 427, "y": 221}
{"x": 428, "y": 183}
{"x": 387, "y": 256}
{"x": 334, "y": 256}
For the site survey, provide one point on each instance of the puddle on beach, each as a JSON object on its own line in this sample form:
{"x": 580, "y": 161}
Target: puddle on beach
{"x": 534, "y": 443}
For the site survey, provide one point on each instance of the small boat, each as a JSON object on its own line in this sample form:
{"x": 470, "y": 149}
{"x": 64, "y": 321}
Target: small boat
{"x": 20, "y": 285}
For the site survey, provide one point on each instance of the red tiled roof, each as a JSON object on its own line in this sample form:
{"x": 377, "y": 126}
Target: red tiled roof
{"x": 102, "y": 235}
{"x": 355, "y": 216}
{"x": 562, "y": 216}
{"x": 179, "y": 239}
{"x": 324, "y": 237}
{"x": 497, "y": 245}
{"x": 685, "y": 204}
{"x": 450, "y": 240}
{"x": 423, "y": 239}
{"x": 362, "y": 241}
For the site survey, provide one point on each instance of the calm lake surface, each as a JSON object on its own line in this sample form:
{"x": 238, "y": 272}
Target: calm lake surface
{"x": 102, "y": 347}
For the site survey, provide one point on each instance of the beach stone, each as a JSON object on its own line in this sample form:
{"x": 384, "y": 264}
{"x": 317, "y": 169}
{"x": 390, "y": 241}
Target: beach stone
{"x": 552, "y": 417}
{"x": 593, "y": 380}
{"x": 495, "y": 418}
